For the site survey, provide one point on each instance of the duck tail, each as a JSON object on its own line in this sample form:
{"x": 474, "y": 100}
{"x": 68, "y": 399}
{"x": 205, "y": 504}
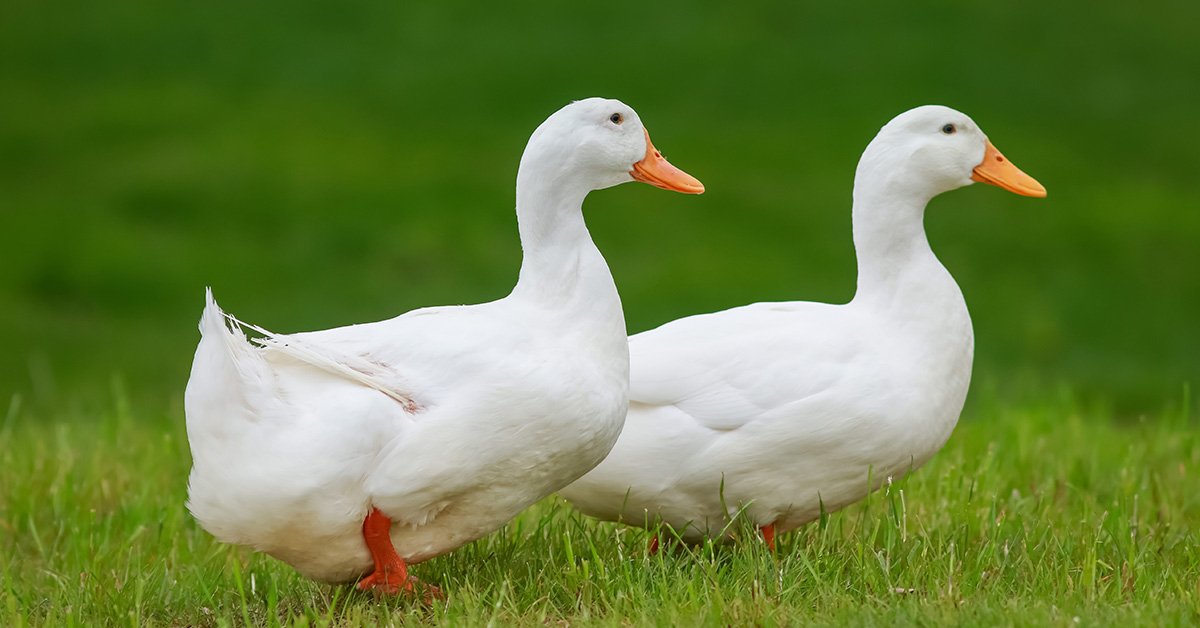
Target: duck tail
{"x": 228, "y": 372}
{"x": 228, "y": 395}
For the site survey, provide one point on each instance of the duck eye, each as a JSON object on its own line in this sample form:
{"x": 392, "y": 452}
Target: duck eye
{"x": 616, "y": 118}
{"x": 949, "y": 129}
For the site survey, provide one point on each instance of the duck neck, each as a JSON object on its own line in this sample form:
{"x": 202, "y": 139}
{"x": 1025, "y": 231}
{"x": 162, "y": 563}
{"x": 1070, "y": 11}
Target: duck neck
{"x": 561, "y": 267}
{"x": 894, "y": 258}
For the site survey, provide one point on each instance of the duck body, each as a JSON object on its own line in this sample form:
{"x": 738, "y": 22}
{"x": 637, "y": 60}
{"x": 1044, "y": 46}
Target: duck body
{"x": 392, "y": 442}
{"x": 782, "y": 411}
{"x": 292, "y": 462}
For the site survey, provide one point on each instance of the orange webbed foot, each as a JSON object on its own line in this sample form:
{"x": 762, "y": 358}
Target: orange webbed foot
{"x": 391, "y": 573}
{"x": 389, "y": 584}
{"x": 652, "y": 547}
{"x": 768, "y": 535}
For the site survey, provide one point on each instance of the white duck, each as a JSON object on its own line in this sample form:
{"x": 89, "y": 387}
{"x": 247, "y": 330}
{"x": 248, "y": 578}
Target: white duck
{"x": 787, "y": 408}
{"x": 385, "y": 444}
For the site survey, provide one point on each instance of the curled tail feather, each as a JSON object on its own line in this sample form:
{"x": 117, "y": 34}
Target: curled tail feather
{"x": 355, "y": 368}
{"x": 226, "y": 366}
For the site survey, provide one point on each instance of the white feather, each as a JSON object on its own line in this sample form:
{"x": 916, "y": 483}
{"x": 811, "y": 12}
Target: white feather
{"x": 781, "y": 411}
{"x": 450, "y": 420}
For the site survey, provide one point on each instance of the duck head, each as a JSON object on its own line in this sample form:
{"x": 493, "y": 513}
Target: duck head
{"x": 935, "y": 149}
{"x": 597, "y": 143}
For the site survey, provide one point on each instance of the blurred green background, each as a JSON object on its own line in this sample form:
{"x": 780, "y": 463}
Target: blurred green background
{"x": 322, "y": 165}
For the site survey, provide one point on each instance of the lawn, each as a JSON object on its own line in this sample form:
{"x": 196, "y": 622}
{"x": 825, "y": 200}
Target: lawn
{"x": 1031, "y": 516}
{"x": 319, "y": 165}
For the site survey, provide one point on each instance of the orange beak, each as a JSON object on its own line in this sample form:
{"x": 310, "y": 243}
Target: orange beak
{"x": 996, "y": 170}
{"x": 657, "y": 171}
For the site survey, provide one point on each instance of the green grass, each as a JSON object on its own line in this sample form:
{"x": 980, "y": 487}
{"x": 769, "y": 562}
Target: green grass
{"x": 1030, "y": 516}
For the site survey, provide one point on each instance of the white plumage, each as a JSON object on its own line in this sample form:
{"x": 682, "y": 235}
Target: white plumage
{"x": 448, "y": 420}
{"x": 782, "y": 409}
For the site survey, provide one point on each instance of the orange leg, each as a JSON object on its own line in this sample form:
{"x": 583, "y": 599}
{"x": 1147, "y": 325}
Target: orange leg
{"x": 652, "y": 547}
{"x": 768, "y": 534}
{"x": 391, "y": 573}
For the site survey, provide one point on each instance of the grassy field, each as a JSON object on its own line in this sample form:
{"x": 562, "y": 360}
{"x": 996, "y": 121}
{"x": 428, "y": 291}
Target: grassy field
{"x": 326, "y": 164}
{"x": 1030, "y": 516}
